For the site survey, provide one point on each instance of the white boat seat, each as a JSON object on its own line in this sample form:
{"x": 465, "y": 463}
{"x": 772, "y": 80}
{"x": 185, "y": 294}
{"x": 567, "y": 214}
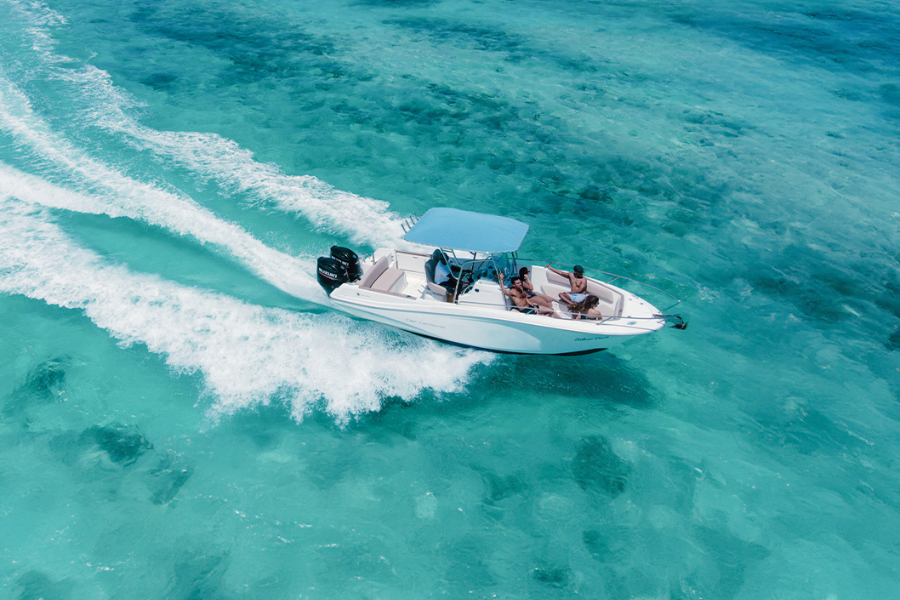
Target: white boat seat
{"x": 382, "y": 278}
{"x": 430, "y": 265}
{"x": 437, "y": 289}
{"x": 374, "y": 272}
{"x": 388, "y": 279}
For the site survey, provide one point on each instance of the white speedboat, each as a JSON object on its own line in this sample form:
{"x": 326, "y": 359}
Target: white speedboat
{"x": 397, "y": 288}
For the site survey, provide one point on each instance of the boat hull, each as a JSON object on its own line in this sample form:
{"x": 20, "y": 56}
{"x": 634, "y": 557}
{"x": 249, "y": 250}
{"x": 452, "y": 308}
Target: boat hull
{"x": 497, "y": 331}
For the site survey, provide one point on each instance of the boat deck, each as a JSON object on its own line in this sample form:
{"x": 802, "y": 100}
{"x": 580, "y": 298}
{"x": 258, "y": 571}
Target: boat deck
{"x": 402, "y": 273}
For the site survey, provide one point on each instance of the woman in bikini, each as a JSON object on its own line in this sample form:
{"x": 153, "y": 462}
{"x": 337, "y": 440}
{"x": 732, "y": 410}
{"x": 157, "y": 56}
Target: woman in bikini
{"x": 542, "y": 299}
{"x": 587, "y": 308}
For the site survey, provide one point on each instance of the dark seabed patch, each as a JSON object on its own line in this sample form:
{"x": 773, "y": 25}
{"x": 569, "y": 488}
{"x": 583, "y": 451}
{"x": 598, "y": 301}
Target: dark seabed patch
{"x": 35, "y": 585}
{"x": 607, "y": 546}
{"x": 160, "y": 81}
{"x": 123, "y": 444}
{"x": 500, "y": 487}
{"x": 47, "y": 376}
{"x": 443, "y": 31}
{"x": 253, "y": 48}
{"x": 200, "y": 574}
{"x": 393, "y": 425}
{"x": 513, "y": 47}
{"x": 327, "y": 466}
{"x": 828, "y": 286}
{"x": 836, "y": 39}
{"x": 167, "y": 479}
{"x": 553, "y": 576}
{"x": 806, "y": 431}
{"x": 597, "y": 467}
{"x": 42, "y": 385}
{"x": 467, "y": 568}
{"x": 723, "y": 577}
{"x": 893, "y": 342}
{"x": 713, "y": 122}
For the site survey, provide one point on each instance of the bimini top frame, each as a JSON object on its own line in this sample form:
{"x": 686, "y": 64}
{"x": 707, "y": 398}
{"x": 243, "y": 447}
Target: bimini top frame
{"x": 468, "y": 231}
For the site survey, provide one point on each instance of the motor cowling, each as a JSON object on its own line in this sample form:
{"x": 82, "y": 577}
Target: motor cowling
{"x": 349, "y": 259}
{"x": 330, "y": 273}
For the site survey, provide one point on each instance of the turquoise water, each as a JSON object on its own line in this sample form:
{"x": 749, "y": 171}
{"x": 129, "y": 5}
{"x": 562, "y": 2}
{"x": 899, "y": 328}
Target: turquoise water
{"x": 183, "y": 417}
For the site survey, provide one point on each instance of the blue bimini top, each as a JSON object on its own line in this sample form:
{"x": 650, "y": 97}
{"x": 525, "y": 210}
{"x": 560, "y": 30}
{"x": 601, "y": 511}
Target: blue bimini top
{"x": 466, "y": 230}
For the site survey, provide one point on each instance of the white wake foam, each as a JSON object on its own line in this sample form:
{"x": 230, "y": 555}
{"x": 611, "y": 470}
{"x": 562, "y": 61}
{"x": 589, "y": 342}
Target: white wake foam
{"x": 246, "y": 355}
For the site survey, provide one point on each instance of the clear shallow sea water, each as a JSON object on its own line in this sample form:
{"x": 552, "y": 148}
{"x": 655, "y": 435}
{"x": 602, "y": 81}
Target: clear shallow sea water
{"x": 183, "y": 417}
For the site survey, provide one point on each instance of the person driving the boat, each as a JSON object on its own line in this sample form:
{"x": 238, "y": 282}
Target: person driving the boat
{"x": 578, "y": 283}
{"x": 520, "y": 299}
{"x": 442, "y": 275}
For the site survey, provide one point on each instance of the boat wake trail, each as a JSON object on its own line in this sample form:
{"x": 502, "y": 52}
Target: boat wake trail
{"x": 246, "y": 355}
{"x": 362, "y": 220}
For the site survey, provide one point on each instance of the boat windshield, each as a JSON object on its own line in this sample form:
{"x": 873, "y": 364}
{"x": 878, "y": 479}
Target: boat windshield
{"x": 476, "y": 265}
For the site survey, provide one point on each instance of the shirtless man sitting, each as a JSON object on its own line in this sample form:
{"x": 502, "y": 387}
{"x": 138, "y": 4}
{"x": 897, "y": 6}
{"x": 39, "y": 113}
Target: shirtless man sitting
{"x": 521, "y": 300}
{"x": 578, "y": 283}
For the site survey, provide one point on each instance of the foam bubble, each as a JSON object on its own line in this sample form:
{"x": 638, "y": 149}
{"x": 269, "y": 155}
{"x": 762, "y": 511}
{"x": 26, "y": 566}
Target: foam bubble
{"x": 247, "y": 355}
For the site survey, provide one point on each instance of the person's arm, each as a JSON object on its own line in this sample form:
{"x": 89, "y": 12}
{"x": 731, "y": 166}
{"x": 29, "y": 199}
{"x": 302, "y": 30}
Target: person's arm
{"x": 502, "y": 285}
{"x": 558, "y": 272}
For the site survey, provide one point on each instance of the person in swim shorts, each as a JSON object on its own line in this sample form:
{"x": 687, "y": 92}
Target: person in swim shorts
{"x": 578, "y": 283}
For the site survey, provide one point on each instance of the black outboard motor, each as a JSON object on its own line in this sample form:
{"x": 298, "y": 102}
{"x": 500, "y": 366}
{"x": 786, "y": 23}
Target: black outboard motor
{"x": 349, "y": 259}
{"x": 330, "y": 273}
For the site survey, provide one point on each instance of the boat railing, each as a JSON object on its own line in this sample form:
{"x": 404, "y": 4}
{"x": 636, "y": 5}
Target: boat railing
{"x": 614, "y": 277}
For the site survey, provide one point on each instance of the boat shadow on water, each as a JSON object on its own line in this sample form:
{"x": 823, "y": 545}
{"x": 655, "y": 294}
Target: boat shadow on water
{"x": 601, "y": 378}
{"x": 603, "y": 381}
